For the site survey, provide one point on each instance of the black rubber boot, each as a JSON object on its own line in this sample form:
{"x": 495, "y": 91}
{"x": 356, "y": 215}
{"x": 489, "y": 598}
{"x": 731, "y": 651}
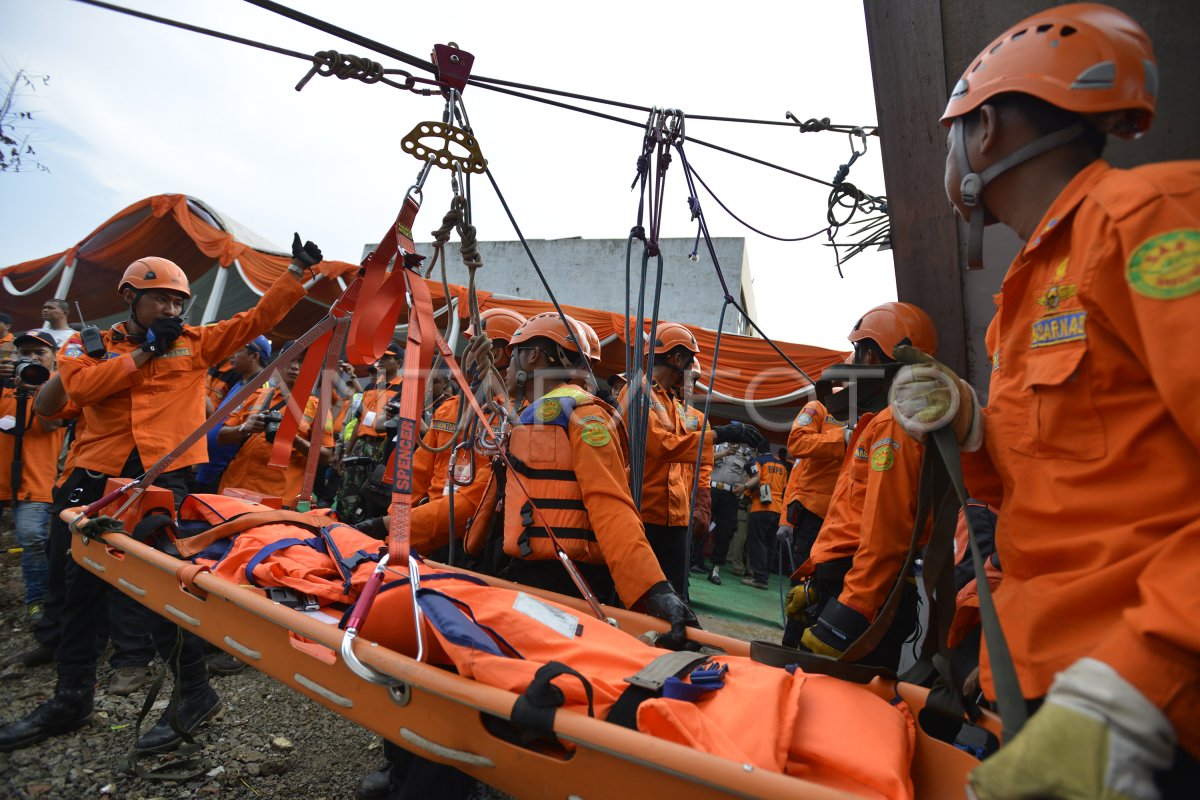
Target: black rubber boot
{"x": 69, "y": 710}
{"x": 374, "y": 785}
{"x": 198, "y": 704}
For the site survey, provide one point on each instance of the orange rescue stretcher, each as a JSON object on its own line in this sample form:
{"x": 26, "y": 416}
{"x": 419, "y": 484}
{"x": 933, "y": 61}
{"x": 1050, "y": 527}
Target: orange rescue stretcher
{"x": 448, "y": 718}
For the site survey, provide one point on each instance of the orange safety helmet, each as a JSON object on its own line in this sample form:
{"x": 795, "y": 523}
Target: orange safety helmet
{"x": 893, "y": 324}
{"x": 593, "y": 339}
{"x": 1084, "y": 57}
{"x": 499, "y": 323}
{"x": 549, "y": 325}
{"x": 153, "y": 272}
{"x": 671, "y": 335}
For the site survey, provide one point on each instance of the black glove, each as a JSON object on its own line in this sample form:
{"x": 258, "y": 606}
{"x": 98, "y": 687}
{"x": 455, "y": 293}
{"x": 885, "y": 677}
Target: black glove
{"x": 161, "y": 336}
{"x": 375, "y": 527}
{"x": 661, "y": 601}
{"x": 307, "y": 254}
{"x": 729, "y": 433}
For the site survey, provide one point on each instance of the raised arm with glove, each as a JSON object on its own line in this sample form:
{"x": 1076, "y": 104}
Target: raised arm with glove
{"x": 739, "y": 433}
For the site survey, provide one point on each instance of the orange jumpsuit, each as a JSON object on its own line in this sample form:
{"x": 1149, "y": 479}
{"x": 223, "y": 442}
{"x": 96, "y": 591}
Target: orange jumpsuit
{"x": 249, "y": 469}
{"x": 670, "y": 446}
{"x": 1092, "y": 438}
{"x": 871, "y": 514}
{"x": 818, "y": 441}
{"x": 39, "y": 453}
{"x": 373, "y": 402}
{"x": 599, "y": 472}
{"x": 703, "y": 515}
{"x": 155, "y": 406}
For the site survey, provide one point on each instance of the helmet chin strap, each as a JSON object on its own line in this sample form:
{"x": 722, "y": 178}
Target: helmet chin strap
{"x": 972, "y": 183}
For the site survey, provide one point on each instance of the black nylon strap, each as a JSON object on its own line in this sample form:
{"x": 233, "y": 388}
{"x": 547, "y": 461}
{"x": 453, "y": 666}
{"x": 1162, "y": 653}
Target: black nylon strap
{"x": 535, "y": 710}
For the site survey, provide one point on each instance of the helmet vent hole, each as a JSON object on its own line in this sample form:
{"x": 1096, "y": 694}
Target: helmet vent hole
{"x": 1066, "y": 31}
{"x": 1044, "y": 28}
{"x": 1019, "y": 34}
{"x": 992, "y": 52}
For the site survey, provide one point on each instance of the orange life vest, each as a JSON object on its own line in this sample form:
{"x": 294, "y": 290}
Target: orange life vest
{"x": 540, "y": 453}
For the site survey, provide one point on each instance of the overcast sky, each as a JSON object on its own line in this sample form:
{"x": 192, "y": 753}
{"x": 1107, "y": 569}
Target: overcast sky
{"x": 134, "y": 109}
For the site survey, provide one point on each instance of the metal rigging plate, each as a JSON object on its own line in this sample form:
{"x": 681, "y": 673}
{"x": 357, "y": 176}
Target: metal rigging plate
{"x": 417, "y": 143}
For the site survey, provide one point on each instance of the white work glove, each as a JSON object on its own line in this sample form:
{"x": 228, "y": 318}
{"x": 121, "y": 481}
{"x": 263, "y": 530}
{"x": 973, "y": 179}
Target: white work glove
{"x": 1095, "y": 736}
{"x": 926, "y": 395}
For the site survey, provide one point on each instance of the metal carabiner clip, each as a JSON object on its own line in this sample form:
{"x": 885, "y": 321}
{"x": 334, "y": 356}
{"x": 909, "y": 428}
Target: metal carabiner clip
{"x": 453, "y": 465}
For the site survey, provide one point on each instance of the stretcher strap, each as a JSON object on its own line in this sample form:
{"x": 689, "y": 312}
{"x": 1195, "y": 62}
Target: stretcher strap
{"x": 373, "y": 325}
{"x": 310, "y": 369}
{"x": 316, "y": 431}
{"x": 192, "y": 545}
{"x": 535, "y": 710}
{"x": 218, "y": 417}
{"x": 417, "y": 362}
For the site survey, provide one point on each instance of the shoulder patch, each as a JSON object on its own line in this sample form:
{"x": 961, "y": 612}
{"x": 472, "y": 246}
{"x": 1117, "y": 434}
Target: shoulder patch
{"x": 74, "y": 348}
{"x": 887, "y": 440}
{"x": 442, "y": 425}
{"x": 595, "y": 433}
{"x": 549, "y": 409}
{"x": 804, "y": 418}
{"x": 882, "y": 459}
{"x": 1167, "y": 266}
{"x": 860, "y": 453}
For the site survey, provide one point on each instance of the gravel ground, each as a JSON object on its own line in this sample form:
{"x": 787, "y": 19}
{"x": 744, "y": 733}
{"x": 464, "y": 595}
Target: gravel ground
{"x": 270, "y": 742}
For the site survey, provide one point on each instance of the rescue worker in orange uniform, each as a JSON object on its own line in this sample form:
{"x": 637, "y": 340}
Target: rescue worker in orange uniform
{"x": 379, "y": 405}
{"x": 6, "y": 322}
{"x": 430, "y": 518}
{"x": 818, "y": 443}
{"x": 671, "y": 448}
{"x": 246, "y": 364}
{"x": 143, "y": 398}
{"x": 1090, "y": 443}
{"x": 253, "y": 426}
{"x": 862, "y": 545}
{"x": 766, "y": 485}
{"x": 28, "y": 483}
{"x": 569, "y": 476}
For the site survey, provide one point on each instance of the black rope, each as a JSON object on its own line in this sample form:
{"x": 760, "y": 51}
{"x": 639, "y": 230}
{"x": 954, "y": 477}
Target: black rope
{"x": 197, "y": 29}
{"x": 747, "y": 224}
{"x": 804, "y": 127}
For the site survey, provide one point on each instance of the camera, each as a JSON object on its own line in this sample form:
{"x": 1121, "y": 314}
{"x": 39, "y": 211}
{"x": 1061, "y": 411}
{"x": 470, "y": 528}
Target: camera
{"x": 271, "y": 420}
{"x": 30, "y": 372}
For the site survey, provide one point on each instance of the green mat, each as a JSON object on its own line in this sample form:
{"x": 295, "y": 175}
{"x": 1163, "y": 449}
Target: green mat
{"x": 737, "y": 605}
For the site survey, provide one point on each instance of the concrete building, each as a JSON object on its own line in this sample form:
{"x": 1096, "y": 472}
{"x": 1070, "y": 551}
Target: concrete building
{"x": 591, "y": 273}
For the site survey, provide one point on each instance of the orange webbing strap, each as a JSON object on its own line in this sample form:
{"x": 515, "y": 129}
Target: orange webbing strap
{"x": 194, "y": 544}
{"x": 418, "y": 358}
{"x": 372, "y": 326}
{"x": 310, "y": 368}
{"x": 316, "y": 429}
{"x": 187, "y": 574}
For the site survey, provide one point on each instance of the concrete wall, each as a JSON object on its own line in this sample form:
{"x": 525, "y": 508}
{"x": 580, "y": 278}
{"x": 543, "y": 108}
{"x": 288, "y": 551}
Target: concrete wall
{"x": 919, "y": 48}
{"x": 591, "y": 273}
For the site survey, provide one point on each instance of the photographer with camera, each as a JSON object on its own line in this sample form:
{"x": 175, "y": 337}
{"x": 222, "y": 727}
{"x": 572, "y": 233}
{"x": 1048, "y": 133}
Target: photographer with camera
{"x": 29, "y": 448}
{"x": 247, "y": 363}
{"x": 254, "y": 426}
{"x": 380, "y": 404}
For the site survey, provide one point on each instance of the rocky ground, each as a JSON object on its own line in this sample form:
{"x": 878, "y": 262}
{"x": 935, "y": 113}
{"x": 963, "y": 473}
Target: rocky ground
{"x": 270, "y": 742}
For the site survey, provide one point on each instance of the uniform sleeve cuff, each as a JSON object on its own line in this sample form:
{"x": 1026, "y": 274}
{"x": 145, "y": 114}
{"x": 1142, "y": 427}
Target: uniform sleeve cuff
{"x": 131, "y": 367}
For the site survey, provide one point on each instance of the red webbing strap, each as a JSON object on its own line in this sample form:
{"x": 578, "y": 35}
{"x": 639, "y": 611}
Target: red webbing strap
{"x": 418, "y": 358}
{"x": 310, "y": 368}
{"x": 218, "y": 417}
{"x": 316, "y": 430}
{"x": 372, "y": 326}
